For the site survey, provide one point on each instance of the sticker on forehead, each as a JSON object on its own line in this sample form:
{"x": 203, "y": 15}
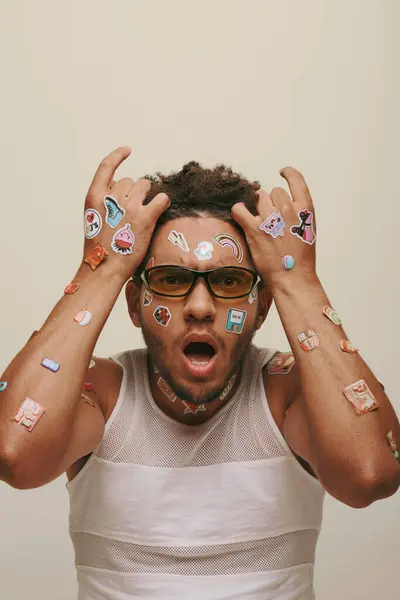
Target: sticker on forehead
{"x": 178, "y": 239}
{"x": 235, "y": 320}
{"x": 204, "y": 250}
{"x": 360, "y": 397}
{"x": 147, "y": 298}
{"x": 123, "y": 240}
{"x": 92, "y": 222}
{"x": 162, "y": 315}
{"x": 114, "y": 212}
{"x": 273, "y": 225}
{"x": 164, "y": 387}
{"x": 29, "y": 414}
{"x": 193, "y": 408}
{"x": 150, "y": 263}
{"x": 227, "y": 240}
{"x": 304, "y": 230}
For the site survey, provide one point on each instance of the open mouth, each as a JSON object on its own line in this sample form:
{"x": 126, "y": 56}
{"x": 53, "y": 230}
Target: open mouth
{"x": 199, "y": 358}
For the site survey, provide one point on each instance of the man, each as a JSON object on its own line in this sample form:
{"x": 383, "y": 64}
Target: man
{"x": 197, "y": 467}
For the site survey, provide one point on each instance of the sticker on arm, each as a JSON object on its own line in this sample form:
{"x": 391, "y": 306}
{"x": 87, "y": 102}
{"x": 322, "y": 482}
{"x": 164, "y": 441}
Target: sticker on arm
{"x": 360, "y": 397}
{"x": 28, "y": 414}
{"x": 96, "y": 256}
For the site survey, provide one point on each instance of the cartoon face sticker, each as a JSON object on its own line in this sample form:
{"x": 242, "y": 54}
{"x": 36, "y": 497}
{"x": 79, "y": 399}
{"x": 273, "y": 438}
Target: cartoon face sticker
{"x": 204, "y": 250}
{"x": 92, "y": 222}
{"x": 235, "y": 320}
{"x": 304, "y": 230}
{"x": 162, "y": 315}
{"x": 229, "y": 241}
{"x": 123, "y": 240}
{"x": 114, "y": 212}
{"x": 147, "y": 298}
{"x": 273, "y": 225}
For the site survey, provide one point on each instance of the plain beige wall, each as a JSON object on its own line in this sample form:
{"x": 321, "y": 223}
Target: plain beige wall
{"x": 257, "y": 85}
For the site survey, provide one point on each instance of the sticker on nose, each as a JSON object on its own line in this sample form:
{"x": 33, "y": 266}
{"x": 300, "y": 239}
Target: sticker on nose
{"x": 235, "y": 320}
{"x": 162, "y": 315}
{"x": 204, "y": 251}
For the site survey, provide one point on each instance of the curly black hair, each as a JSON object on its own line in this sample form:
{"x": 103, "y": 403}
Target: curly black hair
{"x": 195, "y": 192}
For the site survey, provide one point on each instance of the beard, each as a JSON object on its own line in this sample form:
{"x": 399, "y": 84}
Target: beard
{"x": 195, "y": 394}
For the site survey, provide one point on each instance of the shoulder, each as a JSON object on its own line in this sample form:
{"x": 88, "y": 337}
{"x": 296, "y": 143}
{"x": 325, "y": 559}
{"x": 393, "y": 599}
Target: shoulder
{"x": 105, "y": 376}
{"x": 281, "y": 379}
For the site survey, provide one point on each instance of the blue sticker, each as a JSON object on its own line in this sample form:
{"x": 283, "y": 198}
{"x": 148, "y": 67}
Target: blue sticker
{"x": 50, "y": 364}
{"x": 3, "y": 385}
{"x": 114, "y": 212}
{"x": 235, "y": 320}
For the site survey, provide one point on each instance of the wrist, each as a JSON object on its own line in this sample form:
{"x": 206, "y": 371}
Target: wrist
{"x": 107, "y": 273}
{"x": 292, "y": 283}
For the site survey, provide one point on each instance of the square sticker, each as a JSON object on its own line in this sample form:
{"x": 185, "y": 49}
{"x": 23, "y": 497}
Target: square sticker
{"x": 235, "y": 320}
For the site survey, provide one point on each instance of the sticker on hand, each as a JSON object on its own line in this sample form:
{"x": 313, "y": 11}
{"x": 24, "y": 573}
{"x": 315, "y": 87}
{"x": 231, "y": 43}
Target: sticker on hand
{"x": 304, "y": 231}
{"x": 273, "y": 225}
{"x": 123, "y": 240}
{"x": 114, "y": 212}
{"x": 92, "y": 222}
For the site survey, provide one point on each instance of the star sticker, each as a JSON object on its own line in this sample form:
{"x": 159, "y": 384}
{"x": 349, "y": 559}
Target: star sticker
{"x": 193, "y": 408}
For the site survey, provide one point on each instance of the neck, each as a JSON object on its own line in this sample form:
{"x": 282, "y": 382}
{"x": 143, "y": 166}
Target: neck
{"x": 181, "y": 410}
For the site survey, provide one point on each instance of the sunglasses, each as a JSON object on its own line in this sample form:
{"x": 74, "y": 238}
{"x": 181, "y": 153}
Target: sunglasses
{"x": 223, "y": 282}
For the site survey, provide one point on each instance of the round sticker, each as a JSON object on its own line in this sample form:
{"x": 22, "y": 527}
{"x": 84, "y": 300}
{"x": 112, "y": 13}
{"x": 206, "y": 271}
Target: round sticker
{"x": 92, "y": 222}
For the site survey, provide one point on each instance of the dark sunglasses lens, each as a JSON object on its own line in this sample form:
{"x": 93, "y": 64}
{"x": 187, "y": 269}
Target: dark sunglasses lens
{"x": 230, "y": 282}
{"x": 172, "y": 281}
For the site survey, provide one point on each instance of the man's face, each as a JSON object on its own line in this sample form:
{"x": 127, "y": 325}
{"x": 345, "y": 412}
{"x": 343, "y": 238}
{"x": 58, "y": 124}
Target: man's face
{"x": 197, "y": 342}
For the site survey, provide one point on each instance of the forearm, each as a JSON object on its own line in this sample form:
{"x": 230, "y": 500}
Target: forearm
{"x": 69, "y": 344}
{"x": 347, "y": 447}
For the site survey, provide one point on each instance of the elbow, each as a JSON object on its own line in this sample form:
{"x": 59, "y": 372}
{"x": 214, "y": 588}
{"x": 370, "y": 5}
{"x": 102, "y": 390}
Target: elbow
{"x": 13, "y": 471}
{"x": 377, "y": 488}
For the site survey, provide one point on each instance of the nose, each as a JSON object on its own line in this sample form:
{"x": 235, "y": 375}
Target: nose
{"x": 199, "y": 304}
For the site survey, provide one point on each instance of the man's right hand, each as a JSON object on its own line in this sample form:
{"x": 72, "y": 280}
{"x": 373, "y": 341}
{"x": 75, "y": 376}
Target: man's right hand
{"x": 116, "y": 217}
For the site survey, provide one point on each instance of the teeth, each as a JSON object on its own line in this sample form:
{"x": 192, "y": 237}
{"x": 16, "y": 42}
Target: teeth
{"x": 200, "y": 362}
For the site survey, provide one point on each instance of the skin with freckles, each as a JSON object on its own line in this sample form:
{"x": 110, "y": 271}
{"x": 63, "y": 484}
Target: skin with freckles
{"x": 199, "y": 313}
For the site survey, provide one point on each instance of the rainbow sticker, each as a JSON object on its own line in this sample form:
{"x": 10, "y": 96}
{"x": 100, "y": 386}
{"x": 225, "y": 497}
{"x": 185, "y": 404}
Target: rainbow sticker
{"x": 225, "y": 239}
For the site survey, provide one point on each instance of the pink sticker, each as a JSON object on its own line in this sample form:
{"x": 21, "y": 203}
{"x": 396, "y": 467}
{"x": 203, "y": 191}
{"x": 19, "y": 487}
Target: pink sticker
{"x": 29, "y": 414}
{"x": 123, "y": 240}
{"x": 304, "y": 230}
{"x": 360, "y": 397}
{"x": 164, "y": 387}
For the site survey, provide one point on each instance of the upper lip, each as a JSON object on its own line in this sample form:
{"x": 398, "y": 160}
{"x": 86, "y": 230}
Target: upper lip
{"x": 200, "y": 337}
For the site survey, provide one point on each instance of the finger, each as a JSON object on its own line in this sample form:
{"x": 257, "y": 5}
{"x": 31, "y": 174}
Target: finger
{"x": 112, "y": 183}
{"x": 139, "y": 191}
{"x": 158, "y": 205}
{"x": 264, "y": 204}
{"x": 243, "y": 216}
{"x": 106, "y": 169}
{"x": 297, "y": 186}
{"x": 280, "y": 198}
{"x": 122, "y": 188}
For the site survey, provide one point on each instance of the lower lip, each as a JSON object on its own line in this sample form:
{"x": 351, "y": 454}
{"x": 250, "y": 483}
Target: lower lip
{"x": 199, "y": 370}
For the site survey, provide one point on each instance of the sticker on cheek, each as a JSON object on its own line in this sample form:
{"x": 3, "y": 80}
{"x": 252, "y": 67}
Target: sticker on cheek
{"x": 71, "y": 288}
{"x": 164, "y": 387}
{"x": 228, "y": 241}
{"x": 150, "y": 263}
{"x": 96, "y": 256}
{"x": 162, "y": 315}
{"x": 92, "y": 222}
{"x": 3, "y": 385}
{"x": 83, "y": 317}
{"x": 193, "y": 408}
{"x": 273, "y": 225}
{"x": 308, "y": 340}
{"x": 252, "y": 297}
{"x": 235, "y": 320}
{"x": 204, "y": 251}
{"x": 29, "y": 414}
{"x": 304, "y": 230}
{"x": 123, "y": 241}
{"x": 147, "y": 298}
{"x": 178, "y": 239}
{"x": 281, "y": 364}
{"x": 114, "y": 212}
{"x": 360, "y": 397}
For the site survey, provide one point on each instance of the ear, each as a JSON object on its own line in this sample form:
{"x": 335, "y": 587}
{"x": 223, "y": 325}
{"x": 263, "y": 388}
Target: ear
{"x": 132, "y": 295}
{"x": 264, "y": 304}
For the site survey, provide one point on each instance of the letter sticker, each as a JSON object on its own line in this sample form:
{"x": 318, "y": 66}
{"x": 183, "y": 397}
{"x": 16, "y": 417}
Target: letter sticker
{"x": 92, "y": 222}
{"x": 235, "y": 320}
{"x": 227, "y": 240}
{"x": 273, "y": 225}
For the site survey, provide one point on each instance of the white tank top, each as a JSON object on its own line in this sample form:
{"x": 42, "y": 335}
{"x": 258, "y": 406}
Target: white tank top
{"x": 221, "y": 510}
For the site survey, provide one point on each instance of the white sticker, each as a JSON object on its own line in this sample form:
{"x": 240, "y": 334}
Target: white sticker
{"x": 178, "y": 239}
{"x": 204, "y": 251}
{"x": 147, "y": 298}
{"x": 123, "y": 240}
{"x": 92, "y": 222}
{"x": 253, "y": 294}
{"x": 83, "y": 317}
{"x": 193, "y": 408}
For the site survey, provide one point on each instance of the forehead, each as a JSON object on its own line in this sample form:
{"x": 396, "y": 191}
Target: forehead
{"x": 228, "y": 244}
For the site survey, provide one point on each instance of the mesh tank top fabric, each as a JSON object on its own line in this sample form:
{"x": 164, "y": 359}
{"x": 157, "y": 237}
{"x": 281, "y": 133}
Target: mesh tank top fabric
{"x": 240, "y": 432}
